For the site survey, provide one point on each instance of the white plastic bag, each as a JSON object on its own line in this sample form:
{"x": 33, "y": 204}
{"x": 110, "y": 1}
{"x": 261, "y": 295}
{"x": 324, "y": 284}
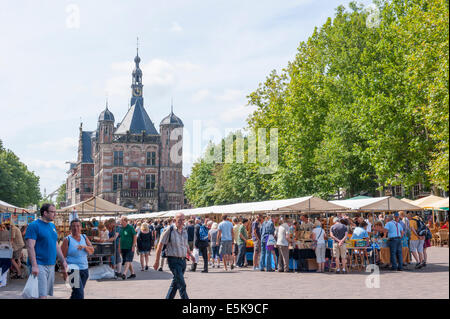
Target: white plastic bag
{"x": 101, "y": 272}
{"x": 271, "y": 241}
{"x": 196, "y": 254}
{"x": 31, "y": 289}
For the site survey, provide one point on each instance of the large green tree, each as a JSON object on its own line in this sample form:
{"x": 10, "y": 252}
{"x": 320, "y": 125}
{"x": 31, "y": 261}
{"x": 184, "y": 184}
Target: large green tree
{"x": 362, "y": 106}
{"x": 18, "y": 186}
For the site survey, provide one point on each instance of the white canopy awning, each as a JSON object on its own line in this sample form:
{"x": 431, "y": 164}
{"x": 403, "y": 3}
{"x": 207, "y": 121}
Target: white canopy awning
{"x": 441, "y": 204}
{"x": 96, "y": 205}
{"x": 384, "y": 204}
{"x": 428, "y": 202}
{"x": 303, "y": 204}
{"x": 4, "y": 206}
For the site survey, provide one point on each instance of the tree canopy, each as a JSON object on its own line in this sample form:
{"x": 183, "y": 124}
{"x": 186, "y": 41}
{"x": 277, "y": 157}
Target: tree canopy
{"x": 364, "y": 105}
{"x": 18, "y": 186}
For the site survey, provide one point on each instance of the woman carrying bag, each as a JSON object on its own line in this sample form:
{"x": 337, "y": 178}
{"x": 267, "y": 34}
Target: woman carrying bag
{"x": 318, "y": 237}
{"x": 76, "y": 247}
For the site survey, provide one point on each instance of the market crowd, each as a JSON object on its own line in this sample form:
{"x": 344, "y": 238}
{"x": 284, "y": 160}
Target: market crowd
{"x": 264, "y": 243}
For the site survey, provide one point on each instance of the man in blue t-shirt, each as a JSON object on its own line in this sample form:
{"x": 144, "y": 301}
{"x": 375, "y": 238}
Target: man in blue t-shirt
{"x": 41, "y": 237}
{"x": 225, "y": 237}
{"x": 395, "y": 232}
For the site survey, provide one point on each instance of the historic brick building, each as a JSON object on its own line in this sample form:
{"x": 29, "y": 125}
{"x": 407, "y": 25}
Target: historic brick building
{"x": 130, "y": 163}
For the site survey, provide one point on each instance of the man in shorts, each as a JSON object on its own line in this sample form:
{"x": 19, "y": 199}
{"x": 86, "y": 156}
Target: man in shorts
{"x": 338, "y": 233}
{"x": 256, "y": 237}
{"x": 43, "y": 248}
{"x": 128, "y": 240}
{"x": 225, "y": 237}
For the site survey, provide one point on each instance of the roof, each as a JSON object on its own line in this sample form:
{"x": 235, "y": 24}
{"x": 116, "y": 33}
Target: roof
{"x": 96, "y": 204}
{"x": 386, "y": 203}
{"x": 106, "y": 115}
{"x": 428, "y": 202}
{"x": 137, "y": 120}
{"x": 87, "y": 147}
{"x": 171, "y": 119}
{"x": 11, "y": 208}
{"x": 360, "y": 197}
{"x": 292, "y": 205}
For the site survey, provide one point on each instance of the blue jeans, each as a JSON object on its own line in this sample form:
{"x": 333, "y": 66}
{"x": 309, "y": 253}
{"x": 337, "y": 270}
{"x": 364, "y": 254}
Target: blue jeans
{"x": 78, "y": 290}
{"x": 395, "y": 248}
{"x": 266, "y": 257}
{"x": 177, "y": 266}
{"x": 241, "y": 255}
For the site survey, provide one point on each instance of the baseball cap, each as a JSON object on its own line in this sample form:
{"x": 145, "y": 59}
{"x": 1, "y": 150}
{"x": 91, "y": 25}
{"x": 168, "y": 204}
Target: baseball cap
{"x": 396, "y": 214}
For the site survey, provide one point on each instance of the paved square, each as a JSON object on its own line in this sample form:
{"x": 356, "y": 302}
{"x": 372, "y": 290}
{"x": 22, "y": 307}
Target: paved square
{"x": 429, "y": 282}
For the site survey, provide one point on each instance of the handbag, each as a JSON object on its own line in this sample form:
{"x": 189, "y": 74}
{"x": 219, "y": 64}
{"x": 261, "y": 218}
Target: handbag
{"x": 314, "y": 242}
{"x": 164, "y": 249}
{"x": 271, "y": 241}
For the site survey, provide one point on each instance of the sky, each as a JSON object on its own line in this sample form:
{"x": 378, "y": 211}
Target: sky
{"x": 61, "y": 60}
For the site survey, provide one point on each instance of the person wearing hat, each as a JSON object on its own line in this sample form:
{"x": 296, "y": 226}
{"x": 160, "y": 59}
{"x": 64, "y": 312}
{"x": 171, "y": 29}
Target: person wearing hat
{"x": 395, "y": 232}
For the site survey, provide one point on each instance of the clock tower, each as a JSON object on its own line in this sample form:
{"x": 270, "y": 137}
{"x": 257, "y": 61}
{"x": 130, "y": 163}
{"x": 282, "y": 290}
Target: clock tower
{"x": 136, "y": 86}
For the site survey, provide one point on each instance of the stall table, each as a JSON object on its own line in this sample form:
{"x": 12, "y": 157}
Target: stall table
{"x": 385, "y": 255}
{"x": 101, "y": 250}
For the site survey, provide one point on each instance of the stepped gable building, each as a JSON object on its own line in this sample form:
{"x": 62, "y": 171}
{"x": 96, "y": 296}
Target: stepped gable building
{"x": 130, "y": 164}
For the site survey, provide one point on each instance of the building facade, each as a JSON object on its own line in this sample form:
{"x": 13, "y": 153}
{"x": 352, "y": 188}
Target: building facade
{"x": 130, "y": 163}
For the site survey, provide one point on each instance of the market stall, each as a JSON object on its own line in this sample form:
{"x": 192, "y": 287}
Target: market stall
{"x": 10, "y": 215}
{"x": 371, "y": 206}
{"x": 94, "y": 208}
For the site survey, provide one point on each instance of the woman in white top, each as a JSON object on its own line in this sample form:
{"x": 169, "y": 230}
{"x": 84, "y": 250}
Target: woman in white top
{"x": 282, "y": 235}
{"x": 319, "y": 234}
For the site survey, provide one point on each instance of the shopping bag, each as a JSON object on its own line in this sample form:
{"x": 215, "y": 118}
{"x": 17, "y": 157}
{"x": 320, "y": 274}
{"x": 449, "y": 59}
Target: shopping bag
{"x": 101, "y": 272}
{"x": 271, "y": 241}
{"x": 196, "y": 254}
{"x": 31, "y": 289}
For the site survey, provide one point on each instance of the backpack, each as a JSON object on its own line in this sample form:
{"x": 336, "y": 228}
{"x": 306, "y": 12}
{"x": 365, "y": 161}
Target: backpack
{"x": 421, "y": 227}
{"x": 164, "y": 249}
{"x": 203, "y": 233}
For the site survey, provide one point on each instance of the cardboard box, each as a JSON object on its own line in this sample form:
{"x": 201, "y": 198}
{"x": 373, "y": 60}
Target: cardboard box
{"x": 312, "y": 264}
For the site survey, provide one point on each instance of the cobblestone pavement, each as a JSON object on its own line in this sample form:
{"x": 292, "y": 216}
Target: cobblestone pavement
{"x": 429, "y": 282}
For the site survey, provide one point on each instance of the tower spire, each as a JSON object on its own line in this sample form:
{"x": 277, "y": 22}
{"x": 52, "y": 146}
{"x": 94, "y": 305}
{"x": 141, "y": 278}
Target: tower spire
{"x": 171, "y": 106}
{"x": 137, "y": 46}
{"x": 136, "y": 84}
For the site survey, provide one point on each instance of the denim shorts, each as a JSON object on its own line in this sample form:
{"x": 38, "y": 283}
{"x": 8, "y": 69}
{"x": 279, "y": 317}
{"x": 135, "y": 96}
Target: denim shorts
{"x": 127, "y": 255}
{"x": 416, "y": 246}
{"x": 225, "y": 247}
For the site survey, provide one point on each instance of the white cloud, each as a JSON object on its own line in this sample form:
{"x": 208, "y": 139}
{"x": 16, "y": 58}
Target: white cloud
{"x": 200, "y": 96}
{"x": 62, "y": 144}
{"x": 176, "y": 27}
{"x": 231, "y": 95}
{"x": 35, "y": 164}
{"x": 159, "y": 76}
{"x": 236, "y": 113}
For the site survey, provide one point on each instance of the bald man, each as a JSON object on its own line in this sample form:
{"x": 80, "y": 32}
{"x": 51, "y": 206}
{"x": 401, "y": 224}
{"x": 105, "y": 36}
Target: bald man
{"x": 175, "y": 238}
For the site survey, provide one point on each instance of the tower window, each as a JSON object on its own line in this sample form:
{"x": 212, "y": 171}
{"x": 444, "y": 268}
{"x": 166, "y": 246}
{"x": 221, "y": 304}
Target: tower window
{"x": 150, "y": 181}
{"x": 117, "y": 182}
{"x": 118, "y": 158}
{"x": 151, "y": 158}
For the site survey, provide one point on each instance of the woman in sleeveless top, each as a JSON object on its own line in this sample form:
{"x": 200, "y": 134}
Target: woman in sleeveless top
{"x": 76, "y": 247}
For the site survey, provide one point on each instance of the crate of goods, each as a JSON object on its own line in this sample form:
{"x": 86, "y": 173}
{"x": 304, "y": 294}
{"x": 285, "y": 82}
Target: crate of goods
{"x": 361, "y": 243}
{"x": 350, "y": 243}
{"x": 98, "y": 249}
{"x": 108, "y": 249}
{"x": 312, "y": 264}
